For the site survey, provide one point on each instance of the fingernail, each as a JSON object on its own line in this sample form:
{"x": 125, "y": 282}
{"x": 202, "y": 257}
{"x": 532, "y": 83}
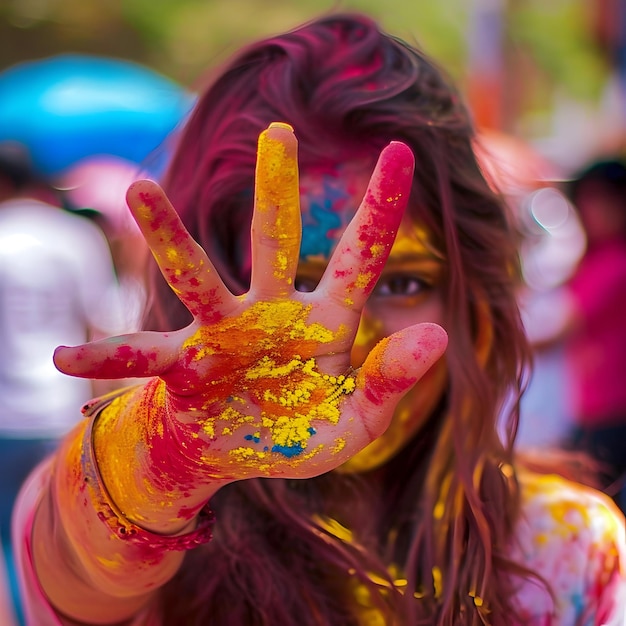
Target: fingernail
{"x": 282, "y": 125}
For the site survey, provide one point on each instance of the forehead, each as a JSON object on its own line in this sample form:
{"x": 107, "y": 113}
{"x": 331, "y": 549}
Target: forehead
{"x": 330, "y": 197}
{"x": 329, "y": 200}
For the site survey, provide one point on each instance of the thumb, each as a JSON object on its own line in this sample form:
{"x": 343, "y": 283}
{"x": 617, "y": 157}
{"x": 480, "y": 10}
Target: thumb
{"x": 394, "y": 365}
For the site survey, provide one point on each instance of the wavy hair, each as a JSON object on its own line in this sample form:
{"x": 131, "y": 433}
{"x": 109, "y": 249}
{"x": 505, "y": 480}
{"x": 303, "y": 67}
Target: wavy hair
{"x": 431, "y": 546}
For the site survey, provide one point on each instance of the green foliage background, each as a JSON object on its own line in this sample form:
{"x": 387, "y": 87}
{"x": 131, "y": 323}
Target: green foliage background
{"x": 551, "y": 39}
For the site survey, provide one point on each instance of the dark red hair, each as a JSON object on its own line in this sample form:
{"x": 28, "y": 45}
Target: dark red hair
{"x": 442, "y": 511}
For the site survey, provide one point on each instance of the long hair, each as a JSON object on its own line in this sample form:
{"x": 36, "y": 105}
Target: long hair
{"x": 422, "y": 540}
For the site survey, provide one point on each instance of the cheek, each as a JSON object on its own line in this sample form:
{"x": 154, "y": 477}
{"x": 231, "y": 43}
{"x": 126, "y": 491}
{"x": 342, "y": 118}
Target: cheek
{"x": 369, "y": 333}
{"x": 381, "y": 320}
{"x": 395, "y": 318}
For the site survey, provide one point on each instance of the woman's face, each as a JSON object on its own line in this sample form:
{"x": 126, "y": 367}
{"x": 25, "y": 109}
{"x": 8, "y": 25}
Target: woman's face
{"x": 408, "y": 292}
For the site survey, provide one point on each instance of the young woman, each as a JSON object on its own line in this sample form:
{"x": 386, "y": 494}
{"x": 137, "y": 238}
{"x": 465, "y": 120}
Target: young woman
{"x": 300, "y": 452}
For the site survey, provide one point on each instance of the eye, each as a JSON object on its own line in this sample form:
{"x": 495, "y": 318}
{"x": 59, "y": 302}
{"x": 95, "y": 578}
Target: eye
{"x": 400, "y": 285}
{"x": 305, "y": 284}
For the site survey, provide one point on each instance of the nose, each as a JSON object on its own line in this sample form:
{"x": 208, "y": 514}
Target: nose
{"x": 367, "y": 336}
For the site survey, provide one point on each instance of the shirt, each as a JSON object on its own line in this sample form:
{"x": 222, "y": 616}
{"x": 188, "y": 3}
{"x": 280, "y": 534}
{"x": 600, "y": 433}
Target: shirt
{"x": 57, "y": 287}
{"x": 596, "y": 352}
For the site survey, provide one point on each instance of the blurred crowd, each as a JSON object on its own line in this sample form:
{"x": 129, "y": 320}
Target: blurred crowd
{"x": 572, "y": 296}
{"x": 573, "y": 301}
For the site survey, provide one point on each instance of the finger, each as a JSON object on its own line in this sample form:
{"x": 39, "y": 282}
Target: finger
{"x": 276, "y": 226}
{"x": 127, "y": 356}
{"x": 183, "y": 263}
{"x": 391, "y": 369}
{"x": 360, "y": 256}
{"x": 394, "y": 365}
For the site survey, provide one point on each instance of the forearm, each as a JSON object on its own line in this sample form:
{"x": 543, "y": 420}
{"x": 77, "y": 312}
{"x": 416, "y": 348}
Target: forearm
{"x": 90, "y": 568}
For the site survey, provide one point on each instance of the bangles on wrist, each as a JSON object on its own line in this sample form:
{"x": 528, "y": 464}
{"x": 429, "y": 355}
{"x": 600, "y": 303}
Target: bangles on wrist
{"x": 112, "y": 517}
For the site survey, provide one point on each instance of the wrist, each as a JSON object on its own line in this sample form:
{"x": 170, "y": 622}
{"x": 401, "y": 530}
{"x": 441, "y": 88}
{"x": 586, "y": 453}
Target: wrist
{"x": 143, "y": 460}
{"x": 110, "y": 514}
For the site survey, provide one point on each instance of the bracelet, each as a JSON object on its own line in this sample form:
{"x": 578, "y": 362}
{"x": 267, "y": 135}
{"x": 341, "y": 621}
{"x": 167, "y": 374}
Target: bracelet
{"x": 110, "y": 514}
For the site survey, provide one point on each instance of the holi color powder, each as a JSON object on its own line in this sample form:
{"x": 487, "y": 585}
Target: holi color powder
{"x": 271, "y": 379}
{"x": 277, "y": 201}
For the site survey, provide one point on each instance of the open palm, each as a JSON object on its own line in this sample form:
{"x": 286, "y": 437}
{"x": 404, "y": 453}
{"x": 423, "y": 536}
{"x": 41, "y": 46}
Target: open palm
{"x": 260, "y": 384}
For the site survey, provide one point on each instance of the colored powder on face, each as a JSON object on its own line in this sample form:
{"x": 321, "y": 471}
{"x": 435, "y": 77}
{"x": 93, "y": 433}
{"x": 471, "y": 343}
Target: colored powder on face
{"x": 322, "y": 220}
{"x": 271, "y": 379}
{"x": 370, "y": 331}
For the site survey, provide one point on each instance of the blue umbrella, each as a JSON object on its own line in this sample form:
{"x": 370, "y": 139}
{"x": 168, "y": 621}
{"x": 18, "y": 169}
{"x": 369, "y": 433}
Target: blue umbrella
{"x": 68, "y": 107}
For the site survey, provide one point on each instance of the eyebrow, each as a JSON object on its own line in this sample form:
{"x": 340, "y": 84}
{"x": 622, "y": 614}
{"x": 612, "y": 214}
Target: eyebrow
{"x": 414, "y": 257}
{"x": 318, "y": 264}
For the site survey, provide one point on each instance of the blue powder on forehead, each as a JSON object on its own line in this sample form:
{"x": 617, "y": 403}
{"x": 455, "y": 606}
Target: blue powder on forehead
{"x": 317, "y": 232}
{"x": 322, "y": 220}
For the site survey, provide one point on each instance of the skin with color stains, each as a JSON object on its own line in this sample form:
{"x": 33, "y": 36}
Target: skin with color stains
{"x": 259, "y": 384}
{"x": 408, "y": 291}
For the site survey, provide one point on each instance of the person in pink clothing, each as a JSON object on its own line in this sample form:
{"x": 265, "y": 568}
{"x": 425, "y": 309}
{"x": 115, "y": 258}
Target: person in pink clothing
{"x": 594, "y": 323}
{"x": 315, "y": 437}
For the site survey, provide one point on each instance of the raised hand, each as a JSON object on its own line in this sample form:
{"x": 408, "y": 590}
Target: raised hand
{"x": 260, "y": 384}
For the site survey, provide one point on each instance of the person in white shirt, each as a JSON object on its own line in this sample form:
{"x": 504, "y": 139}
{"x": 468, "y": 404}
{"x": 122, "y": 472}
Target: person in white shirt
{"x": 57, "y": 285}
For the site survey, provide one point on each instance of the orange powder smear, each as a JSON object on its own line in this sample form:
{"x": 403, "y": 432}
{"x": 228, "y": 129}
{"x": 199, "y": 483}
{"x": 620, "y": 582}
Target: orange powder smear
{"x": 274, "y": 387}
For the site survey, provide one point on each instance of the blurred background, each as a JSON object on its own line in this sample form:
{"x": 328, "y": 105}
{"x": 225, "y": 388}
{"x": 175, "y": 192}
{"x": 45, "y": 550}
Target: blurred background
{"x": 547, "y": 71}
